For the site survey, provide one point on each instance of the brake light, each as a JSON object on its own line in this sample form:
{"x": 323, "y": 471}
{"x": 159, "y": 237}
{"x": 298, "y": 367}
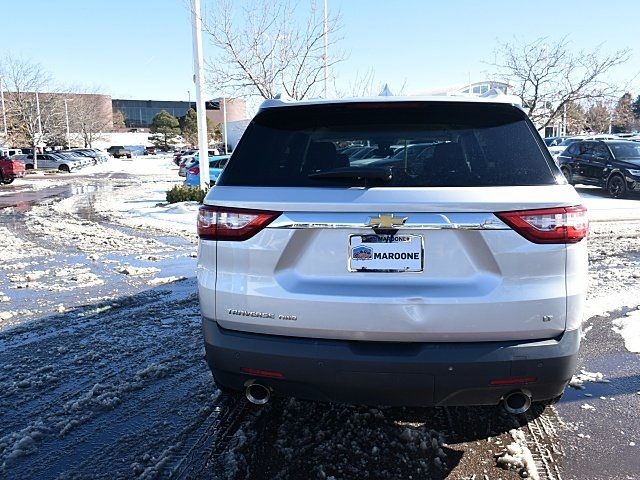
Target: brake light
{"x": 194, "y": 170}
{"x": 549, "y": 225}
{"x": 225, "y": 223}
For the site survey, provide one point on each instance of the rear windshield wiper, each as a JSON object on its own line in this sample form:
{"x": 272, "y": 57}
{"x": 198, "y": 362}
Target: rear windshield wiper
{"x": 356, "y": 173}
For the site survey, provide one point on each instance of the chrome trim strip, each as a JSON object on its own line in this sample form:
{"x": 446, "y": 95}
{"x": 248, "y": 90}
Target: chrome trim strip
{"x": 458, "y": 221}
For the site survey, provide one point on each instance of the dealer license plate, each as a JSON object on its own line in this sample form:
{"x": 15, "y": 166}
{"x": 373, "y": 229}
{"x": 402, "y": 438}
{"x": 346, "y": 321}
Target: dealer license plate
{"x": 386, "y": 253}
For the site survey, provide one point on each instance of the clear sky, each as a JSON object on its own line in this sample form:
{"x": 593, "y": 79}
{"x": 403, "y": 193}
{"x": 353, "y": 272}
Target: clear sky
{"x": 142, "y": 48}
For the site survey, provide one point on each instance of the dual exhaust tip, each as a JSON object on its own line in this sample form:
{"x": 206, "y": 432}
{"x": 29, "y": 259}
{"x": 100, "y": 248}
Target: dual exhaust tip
{"x": 514, "y": 403}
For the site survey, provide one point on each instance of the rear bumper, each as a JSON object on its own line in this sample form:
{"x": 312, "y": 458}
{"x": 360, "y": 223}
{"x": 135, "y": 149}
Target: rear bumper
{"x": 378, "y": 373}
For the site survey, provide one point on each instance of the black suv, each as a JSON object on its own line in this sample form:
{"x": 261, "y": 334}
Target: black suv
{"x": 610, "y": 164}
{"x": 119, "y": 151}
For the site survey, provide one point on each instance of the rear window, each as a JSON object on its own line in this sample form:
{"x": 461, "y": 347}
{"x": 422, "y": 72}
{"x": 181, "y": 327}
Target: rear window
{"x": 395, "y": 145}
{"x": 625, "y": 150}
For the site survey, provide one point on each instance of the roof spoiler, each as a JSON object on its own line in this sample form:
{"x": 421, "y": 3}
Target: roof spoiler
{"x": 497, "y": 94}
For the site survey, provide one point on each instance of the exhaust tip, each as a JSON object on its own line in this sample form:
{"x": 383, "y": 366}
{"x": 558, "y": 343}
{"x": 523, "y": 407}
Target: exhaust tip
{"x": 516, "y": 403}
{"x": 257, "y": 393}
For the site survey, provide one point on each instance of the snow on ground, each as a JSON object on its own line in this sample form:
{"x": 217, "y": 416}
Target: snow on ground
{"x": 614, "y": 267}
{"x": 579, "y": 379}
{"x": 141, "y": 201}
{"x": 629, "y": 328}
{"x": 602, "y": 208}
{"x": 518, "y": 456}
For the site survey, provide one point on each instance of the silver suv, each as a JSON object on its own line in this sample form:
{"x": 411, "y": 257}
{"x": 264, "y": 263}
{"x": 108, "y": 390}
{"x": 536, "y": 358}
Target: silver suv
{"x": 452, "y": 277}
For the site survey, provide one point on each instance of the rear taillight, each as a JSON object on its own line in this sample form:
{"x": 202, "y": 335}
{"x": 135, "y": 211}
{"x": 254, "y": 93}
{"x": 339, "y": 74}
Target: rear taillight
{"x": 549, "y": 225}
{"x": 194, "y": 170}
{"x": 225, "y": 223}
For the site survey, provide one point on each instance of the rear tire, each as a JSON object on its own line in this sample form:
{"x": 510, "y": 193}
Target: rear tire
{"x": 64, "y": 168}
{"x": 7, "y": 181}
{"x": 567, "y": 174}
{"x": 617, "y": 187}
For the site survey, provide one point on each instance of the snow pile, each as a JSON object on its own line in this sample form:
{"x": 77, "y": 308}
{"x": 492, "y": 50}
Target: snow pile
{"x": 629, "y": 328}
{"x": 137, "y": 271}
{"x": 140, "y": 201}
{"x": 578, "y": 381}
{"x": 71, "y": 233}
{"x": 165, "y": 280}
{"x": 15, "y": 248}
{"x": 518, "y": 456}
{"x": 63, "y": 279}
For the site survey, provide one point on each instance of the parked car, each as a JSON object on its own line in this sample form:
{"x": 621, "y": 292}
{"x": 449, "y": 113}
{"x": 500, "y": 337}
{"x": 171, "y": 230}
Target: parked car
{"x": 119, "y": 152}
{"x": 9, "y": 152}
{"x": 178, "y": 155}
{"x": 554, "y": 141}
{"x": 461, "y": 282}
{"x": 556, "y": 150}
{"x": 150, "y": 151}
{"x": 216, "y": 166}
{"x": 81, "y": 160}
{"x": 21, "y": 157}
{"x": 610, "y": 164}
{"x": 96, "y": 156}
{"x": 188, "y": 161}
{"x": 51, "y": 161}
{"x": 10, "y": 169}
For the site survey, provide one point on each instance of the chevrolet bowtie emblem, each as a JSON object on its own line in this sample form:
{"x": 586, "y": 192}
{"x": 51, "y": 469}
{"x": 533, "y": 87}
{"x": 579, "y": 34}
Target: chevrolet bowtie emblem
{"x": 386, "y": 220}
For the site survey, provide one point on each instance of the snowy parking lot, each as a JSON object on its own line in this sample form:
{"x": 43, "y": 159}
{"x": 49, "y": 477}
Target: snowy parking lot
{"x": 102, "y": 370}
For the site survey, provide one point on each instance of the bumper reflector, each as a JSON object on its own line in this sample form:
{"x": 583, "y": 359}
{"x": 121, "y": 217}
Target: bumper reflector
{"x": 513, "y": 381}
{"x": 256, "y": 372}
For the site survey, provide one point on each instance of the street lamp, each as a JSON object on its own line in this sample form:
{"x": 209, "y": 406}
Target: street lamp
{"x": 201, "y": 111}
{"x": 4, "y": 112}
{"x": 66, "y": 115}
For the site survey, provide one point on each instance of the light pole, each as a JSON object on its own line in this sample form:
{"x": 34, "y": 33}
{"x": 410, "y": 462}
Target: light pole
{"x": 201, "y": 112}
{"x": 4, "y": 112}
{"x": 224, "y": 123}
{"x": 35, "y": 146}
{"x": 326, "y": 49}
{"x": 66, "y": 115}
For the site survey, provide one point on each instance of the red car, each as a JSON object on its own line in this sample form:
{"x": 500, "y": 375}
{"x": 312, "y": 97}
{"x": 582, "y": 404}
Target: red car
{"x": 10, "y": 170}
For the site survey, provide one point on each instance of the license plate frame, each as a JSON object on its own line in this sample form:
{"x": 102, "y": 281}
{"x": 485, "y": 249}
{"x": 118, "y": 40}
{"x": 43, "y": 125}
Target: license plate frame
{"x": 364, "y": 259}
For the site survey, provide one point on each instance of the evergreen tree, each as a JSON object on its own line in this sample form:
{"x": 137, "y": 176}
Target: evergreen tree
{"x": 189, "y": 127}
{"x": 165, "y": 128}
{"x": 118, "y": 119}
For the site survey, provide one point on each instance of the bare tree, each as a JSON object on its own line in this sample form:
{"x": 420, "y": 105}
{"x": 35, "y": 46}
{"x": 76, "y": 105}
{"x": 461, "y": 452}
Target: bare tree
{"x": 598, "y": 117}
{"x": 547, "y": 75}
{"x": 263, "y": 49}
{"x": 31, "y": 113}
{"x": 90, "y": 114}
{"x": 575, "y": 117}
{"x": 366, "y": 85}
